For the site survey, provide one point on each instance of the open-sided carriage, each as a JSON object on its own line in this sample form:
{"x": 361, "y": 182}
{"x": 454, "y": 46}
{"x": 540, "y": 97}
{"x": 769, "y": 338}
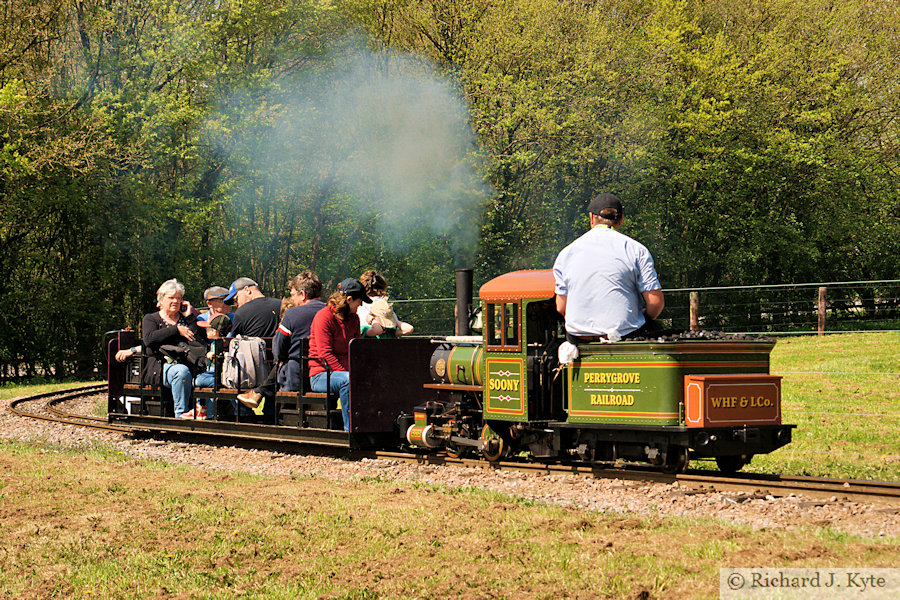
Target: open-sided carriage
{"x": 388, "y": 389}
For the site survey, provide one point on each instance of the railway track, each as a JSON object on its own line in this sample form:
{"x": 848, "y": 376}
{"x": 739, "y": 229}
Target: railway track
{"x": 49, "y": 411}
{"x": 748, "y": 485}
{"x": 751, "y": 485}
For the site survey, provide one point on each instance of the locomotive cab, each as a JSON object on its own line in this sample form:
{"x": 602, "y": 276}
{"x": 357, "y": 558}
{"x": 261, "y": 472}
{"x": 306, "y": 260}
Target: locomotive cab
{"x": 498, "y": 387}
{"x": 521, "y": 353}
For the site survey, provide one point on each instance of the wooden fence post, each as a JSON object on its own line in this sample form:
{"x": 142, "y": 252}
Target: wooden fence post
{"x": 695, "y": 311}
{"x": 822, "y": 310}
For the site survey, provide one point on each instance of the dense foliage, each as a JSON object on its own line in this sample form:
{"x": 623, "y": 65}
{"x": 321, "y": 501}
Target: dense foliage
{"x": 753, "y": 141}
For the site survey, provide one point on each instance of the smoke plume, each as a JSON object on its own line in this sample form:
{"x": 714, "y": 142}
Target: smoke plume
{"x": 384, "y": 132}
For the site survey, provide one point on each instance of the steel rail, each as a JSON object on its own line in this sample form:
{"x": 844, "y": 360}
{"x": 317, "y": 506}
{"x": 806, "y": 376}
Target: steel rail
{"x": 751, "y": 485}
{"x": 748, "y": 485}
{"x": 52, "y": 408}
{"x": 58, "y": 416}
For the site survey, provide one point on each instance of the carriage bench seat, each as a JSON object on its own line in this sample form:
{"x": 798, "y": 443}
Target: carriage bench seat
{"x": 302, "y": 408}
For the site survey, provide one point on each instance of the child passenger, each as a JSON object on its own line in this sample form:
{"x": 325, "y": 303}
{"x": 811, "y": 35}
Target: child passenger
{"x": 376, "y": 289}
{"x": 381, "y": 312}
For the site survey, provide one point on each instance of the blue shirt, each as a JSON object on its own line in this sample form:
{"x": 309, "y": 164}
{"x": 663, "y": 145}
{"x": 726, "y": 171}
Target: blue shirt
{"x": 603, "y": 274}
{"x": 204, "y": 316}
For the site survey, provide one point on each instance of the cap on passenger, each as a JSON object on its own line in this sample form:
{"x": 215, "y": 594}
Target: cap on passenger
{"x": 602, "y": 202}
{"x": 216, "y": 292}
{"x": 382, "y": 308}
{"x": 354, "y": 289}
{"x": 237, "y": 286}
{"x": 221, "y": 324}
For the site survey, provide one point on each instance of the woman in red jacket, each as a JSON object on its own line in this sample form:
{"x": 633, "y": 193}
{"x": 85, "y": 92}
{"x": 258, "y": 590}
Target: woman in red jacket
{"x": 332, "y": 329}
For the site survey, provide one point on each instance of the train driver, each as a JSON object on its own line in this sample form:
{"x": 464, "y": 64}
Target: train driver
{"x": 606, "y": 284}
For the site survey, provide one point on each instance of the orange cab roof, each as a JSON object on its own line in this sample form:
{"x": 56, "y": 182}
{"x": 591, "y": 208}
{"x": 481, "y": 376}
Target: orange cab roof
{"x": 519, "y": 284}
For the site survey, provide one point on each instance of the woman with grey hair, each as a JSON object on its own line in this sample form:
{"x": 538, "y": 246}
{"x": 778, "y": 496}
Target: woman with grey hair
{"x": 174, "y": 324}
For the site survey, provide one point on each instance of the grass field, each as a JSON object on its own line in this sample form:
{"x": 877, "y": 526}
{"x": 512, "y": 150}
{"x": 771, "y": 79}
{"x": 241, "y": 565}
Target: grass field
{"x": 8, "y": 390}
{"x": 843, "y": 393}
{"x": 99, "y": 525}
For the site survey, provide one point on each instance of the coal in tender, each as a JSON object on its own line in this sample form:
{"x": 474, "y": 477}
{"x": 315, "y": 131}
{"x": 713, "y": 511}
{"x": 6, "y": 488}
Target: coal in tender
{"x": 683, "y": 335}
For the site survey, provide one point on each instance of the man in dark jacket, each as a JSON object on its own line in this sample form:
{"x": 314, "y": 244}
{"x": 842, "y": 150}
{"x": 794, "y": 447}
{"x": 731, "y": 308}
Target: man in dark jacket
{"x": 306, "y": 291}
{"x": 256, "y": 315}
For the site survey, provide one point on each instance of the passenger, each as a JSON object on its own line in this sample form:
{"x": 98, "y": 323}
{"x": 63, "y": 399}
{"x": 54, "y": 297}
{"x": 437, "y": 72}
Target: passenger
{"x": 381, "y": 319}
{"x": 332, "y": 329}
{"x": 217, "y": 327}
{"x": 606, "y": 284}
{"x": 215, "y": 302}
{"x": 251, "y": 398}
{"x": 376, "y": 289}
{"x": 286, "y": 303}
{"x": 256, "y": 315}
{"x": 306, "y": 292}
{"x": 175, "y": 324}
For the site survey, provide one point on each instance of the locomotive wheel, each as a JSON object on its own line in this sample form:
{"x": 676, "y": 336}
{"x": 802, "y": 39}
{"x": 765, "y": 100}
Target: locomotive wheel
{"x": 495, "y": 448}
{"x": 456, "y": 450}
{"x": 732, "y": 464}
{"x": 676, "y": 460}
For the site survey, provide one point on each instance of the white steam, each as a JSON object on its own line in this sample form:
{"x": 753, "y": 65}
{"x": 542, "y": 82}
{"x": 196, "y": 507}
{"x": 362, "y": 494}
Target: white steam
{"x": 383, "y": 132}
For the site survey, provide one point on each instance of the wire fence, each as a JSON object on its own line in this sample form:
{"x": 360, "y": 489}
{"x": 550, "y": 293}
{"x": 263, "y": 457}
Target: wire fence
{"x": 432, "y": 317}
{"x": 851, "y": 306}
{"x": 787, "y": 309}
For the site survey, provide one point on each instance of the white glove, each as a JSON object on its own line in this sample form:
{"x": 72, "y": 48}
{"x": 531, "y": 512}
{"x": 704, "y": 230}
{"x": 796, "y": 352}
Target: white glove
{"x": 567, "y": 353}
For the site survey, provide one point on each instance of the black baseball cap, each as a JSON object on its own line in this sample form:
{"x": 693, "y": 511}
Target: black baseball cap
{"x": 222, "y": 325}
{"x": 353, "y": 288}
{"x": 601, "y": 202}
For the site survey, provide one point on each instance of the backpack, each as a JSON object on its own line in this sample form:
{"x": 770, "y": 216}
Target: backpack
{"x": 192, "y": 354}
{"x": 245, "y": 364}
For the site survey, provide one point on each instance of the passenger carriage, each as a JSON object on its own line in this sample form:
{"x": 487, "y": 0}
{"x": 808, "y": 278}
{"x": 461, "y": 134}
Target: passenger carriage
{"x": 382, "y": 390}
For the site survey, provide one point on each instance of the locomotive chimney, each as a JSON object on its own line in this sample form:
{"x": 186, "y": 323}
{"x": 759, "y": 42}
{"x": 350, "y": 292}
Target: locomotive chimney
{"x": 463, "y": 301}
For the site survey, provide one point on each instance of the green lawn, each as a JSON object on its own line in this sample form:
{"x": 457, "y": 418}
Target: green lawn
{"x": 97, "y": 524}
{"x": 10, "y": 390}
{"x": 843, "y": 393}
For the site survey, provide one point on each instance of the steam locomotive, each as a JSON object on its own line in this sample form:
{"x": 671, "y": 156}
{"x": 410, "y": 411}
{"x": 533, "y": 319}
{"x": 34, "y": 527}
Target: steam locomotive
{"x": 504, "y": 393}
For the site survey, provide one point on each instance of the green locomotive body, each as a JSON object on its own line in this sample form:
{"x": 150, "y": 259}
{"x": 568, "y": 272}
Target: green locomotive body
{"x": 506, "y": 392}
